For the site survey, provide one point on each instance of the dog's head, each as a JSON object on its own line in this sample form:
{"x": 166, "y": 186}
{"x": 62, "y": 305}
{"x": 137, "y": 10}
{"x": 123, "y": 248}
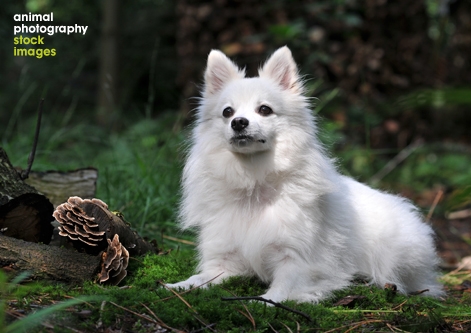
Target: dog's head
{"x": 249, "y": 111}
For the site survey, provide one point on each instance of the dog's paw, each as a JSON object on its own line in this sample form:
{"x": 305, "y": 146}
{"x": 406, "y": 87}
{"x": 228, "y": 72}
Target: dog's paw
{"x": 272, "y": 297}
{"x": 178, "y": 285}
{"x": 194, "y": 281}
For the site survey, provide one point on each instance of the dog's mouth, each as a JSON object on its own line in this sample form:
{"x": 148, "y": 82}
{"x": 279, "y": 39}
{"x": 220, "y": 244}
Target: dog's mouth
{"x": 244, "y": 140}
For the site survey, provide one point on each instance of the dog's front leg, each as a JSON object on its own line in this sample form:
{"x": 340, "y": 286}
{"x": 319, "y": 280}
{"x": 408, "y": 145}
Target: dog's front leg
{"x": 213, "y": 271}
{"x": 289, "y": 279}
{"x": 199, "y": 280}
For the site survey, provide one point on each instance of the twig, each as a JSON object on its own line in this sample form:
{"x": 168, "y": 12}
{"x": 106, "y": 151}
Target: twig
{"x": 189, "y": 290}
{"x": 178, "y": 295}
{"x": 418, "y": 292}
{"x": 434, "y": 205}
{"x": 99, "y": 324}
{"x": 84, "y": 302}
{"x": 399, "y": 306}
{"x": 394, "y": 329}
{"x": 275, "y": 331}
{"x": 401, "y": 156}
{"x": 261, "y": 299}
{"x": 195, "y": 314}
{"x": 247, "y": 315}
{"x": 459, "y": 214}
{"x": 355, "y": 325}
{"x": 24, "y": 175}
{"x": 135, "y": 313}
{"x": 183, "y": 241}
{"x": 210, "y": 326}
{"x": 161, "y": 323}
{"x": 287, "y": 327}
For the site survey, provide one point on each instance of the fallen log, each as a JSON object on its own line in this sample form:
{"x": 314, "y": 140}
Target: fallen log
{"x": 26, "y": 215}
{"x": 58, "y": 186}
{"x": 89, "y": 224}
{"x": 95, "y": 231}
{"x": 61, "y": 264}
{"x": 24, "y": 212}
{"x": 45, "y": 261}
{"x": 92, "y": 227}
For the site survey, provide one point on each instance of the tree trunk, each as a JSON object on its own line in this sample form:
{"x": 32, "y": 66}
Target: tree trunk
{"x": 108, "y": 79}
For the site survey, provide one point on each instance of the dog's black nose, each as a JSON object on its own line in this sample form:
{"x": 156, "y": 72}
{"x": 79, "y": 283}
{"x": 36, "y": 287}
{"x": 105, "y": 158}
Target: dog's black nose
{"x": 239, "y": 123}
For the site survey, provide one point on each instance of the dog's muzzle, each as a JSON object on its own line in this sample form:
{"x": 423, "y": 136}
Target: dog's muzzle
{"x": 241, "y": 138}
{"x": 239, "y": 123}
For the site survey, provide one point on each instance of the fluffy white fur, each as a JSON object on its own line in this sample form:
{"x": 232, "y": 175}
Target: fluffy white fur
{"x": 268, "y": 202}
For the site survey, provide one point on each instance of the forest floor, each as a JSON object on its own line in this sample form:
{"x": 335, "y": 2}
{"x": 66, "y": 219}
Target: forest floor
{"x": 139, "y": 173}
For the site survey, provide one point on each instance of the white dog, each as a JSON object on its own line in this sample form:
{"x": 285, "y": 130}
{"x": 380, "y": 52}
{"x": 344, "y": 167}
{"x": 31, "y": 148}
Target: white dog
{"x": 268, "y": 202}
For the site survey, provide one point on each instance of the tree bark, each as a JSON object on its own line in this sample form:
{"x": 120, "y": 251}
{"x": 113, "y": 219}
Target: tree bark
{"x": 60, "y": 186}
{"x": 24, "y": 212}
{"x": 48, "y": 261}
{"x": 108, "y": 79}
{"x": 26, "y": 215}
{"x": 89, "y": 224}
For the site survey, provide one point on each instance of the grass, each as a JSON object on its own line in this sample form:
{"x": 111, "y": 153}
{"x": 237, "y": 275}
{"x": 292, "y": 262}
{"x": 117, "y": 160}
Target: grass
{"x": 25, "y": 323}
{"x": 144, "y": 304}
{"x": 139, "y": 170}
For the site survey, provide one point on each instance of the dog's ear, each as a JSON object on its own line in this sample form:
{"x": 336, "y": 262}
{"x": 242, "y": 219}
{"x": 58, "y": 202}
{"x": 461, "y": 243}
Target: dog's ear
{"x": 219, "y": 71}
{"x": 281, "y": 68}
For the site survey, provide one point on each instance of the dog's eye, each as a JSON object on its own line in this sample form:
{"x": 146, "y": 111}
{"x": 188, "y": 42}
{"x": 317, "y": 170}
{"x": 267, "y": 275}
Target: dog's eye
{"x": 265, "y": 110}
{"x": 228, "y": 112}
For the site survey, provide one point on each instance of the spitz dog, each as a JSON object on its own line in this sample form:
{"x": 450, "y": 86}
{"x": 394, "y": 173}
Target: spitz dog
{"x": 267, "y": 201}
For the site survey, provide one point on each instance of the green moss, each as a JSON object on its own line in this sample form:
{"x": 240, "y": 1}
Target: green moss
{"x": 201, "y": 307}
{"x": 127, "y": 307}
{"x": 139, "y": 176}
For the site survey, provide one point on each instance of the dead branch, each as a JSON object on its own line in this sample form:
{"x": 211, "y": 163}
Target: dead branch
{"x": 261, "y": 299}
{"x": 25, "y": 173}
{"x": 399, "y": 158}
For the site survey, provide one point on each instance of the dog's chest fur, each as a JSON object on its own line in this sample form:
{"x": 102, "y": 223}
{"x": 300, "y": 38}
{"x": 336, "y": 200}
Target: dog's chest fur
{"x": 252, "y": 230}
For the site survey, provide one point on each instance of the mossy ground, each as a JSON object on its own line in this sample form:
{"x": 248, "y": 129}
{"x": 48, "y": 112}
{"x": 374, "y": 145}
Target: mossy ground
{"x": 139, "y": 171}
{"x": 143, "y": 304}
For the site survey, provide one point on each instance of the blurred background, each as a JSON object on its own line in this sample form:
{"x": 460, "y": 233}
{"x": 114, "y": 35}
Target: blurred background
{"x": 392, "y": 81}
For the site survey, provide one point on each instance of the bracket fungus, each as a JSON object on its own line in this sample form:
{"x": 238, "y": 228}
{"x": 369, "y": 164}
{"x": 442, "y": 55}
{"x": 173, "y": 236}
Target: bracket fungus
{"x": 94, "y": 229}
{"x": 79, "y": 224}
{"x": 114, "y": 262}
